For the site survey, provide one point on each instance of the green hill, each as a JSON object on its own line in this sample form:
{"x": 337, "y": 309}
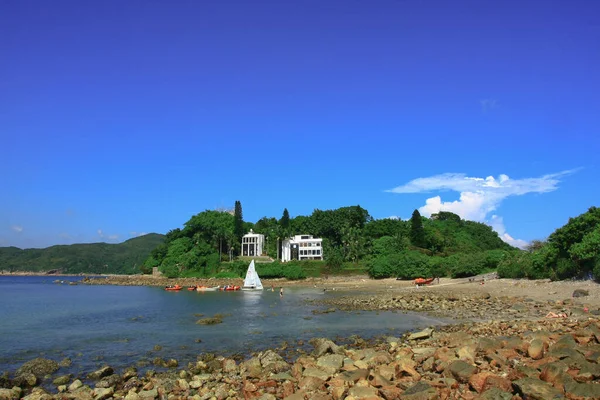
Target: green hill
{"x": 103, "y": 258}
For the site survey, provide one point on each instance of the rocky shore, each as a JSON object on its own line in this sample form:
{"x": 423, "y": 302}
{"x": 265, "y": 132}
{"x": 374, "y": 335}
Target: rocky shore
{"x": 524, "y": 359}
{"x": 506, "y": 348}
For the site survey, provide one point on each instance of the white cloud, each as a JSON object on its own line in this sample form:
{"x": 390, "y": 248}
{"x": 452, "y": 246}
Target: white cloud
{"x": 17, "y": 228}
{"x": 479, "y": 197}
{"x": 497, "y": 223}
{"x": 107, "y": 237}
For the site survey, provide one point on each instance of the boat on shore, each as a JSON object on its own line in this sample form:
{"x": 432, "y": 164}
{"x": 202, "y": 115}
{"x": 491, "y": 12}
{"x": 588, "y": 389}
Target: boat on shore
{"x": 207, "y": 288}
{"x": 423, "y": 281}
{"x": 252, "y": 280}
{"x": 229, "y": 288}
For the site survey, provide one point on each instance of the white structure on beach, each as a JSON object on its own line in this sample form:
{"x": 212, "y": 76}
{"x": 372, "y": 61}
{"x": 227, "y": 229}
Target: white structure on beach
{"x": 253, "y": 244}
{"x": 301, "y": 247}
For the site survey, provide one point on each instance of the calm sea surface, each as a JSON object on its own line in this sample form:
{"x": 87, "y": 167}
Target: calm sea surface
{"x": 121, "y": 325}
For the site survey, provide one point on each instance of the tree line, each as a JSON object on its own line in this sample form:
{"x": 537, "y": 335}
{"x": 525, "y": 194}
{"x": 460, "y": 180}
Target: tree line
{"x": 441, "y": 245}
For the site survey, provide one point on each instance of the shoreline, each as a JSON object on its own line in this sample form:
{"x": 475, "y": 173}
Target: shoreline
{"x": 501, "y": 346}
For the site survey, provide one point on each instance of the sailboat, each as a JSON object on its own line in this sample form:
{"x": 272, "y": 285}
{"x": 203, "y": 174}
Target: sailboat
{"x": 252, "y": 281}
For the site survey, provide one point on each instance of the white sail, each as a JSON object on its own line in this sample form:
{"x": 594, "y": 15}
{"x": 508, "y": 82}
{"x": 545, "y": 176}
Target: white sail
{"x": 252, "y": 280}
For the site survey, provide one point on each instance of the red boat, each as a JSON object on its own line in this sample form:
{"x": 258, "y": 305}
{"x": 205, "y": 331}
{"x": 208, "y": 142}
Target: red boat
{"x": 230, "y": 287}
{"x": 174, "y": 288}
{"x": 423, "y": 281}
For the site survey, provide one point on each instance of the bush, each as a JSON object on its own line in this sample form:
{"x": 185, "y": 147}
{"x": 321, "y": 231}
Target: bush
{"x": 294, "y": 272}
{"x": 514, "y": 265}
{"x": 404, "y": 265}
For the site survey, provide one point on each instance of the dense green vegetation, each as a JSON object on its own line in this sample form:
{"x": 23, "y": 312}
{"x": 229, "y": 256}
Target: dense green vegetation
{"x": 352, "y": 240}
{"x": 122, "y": 258}
{"x": 572, "y": 251}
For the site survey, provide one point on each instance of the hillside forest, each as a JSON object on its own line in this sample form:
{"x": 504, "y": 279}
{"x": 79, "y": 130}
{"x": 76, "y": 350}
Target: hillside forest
{"x": 90, "y": 258}
{"x": 353, "y": 242}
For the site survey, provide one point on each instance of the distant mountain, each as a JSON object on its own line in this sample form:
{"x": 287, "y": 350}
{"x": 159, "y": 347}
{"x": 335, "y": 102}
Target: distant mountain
{"x": 100, "y": 258}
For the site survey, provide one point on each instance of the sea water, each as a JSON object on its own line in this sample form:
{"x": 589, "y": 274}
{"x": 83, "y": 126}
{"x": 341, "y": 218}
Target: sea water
{"x": 120, "y": 326}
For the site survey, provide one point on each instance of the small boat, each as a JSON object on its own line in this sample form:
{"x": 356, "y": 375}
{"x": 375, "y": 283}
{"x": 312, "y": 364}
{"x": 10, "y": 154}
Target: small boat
{"x": 191, "y": 288}
{"x": 252, "y": 281}
{"x": 207, "y": 288}
{"x": 229, "y": 288}
{"x": 423, "y": 281}
{"x": 173, "y": 288}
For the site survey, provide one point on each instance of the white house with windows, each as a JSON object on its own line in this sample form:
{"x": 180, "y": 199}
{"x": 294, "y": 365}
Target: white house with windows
{"x": 253, "y": 244}
{"x": 302, "y": 247}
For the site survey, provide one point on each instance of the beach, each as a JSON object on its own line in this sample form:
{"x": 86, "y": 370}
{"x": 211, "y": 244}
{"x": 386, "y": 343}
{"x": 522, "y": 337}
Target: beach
{"x": 504, "y": 345}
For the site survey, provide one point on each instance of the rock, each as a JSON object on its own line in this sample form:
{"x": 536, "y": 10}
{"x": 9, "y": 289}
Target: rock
{"x": 40, "y": 367}
{"x": 171, "y": 363}
{"x": 75, "y": 385}
{"x": 424, "y": 334}
{"x": 101, "y": 373}
{"x": 317, "y": 373}
{"x": 420, "y": 391}
{"x": 109, "y": 381}
{"x": 358, "y": 392}
{"x": 580, "y": 293}
{"x": 461, "y": 371}
{"x": 331, "y": 362}
{"x": 10, "y": 394}
{"x": 535, "y": 389}
{"x": 323, "y": 346}
{"x": 62, "y": 380}
{"x": 38, "y": 394}
{"x": 148, "y": 394}
{"x": 26, "y": 379}
{"x": 65, "y": 362}
{"x": 103, "y": 393}
{"x": 209, "y": 321}
{"x": 495, "y": 394}
{"x": 354, "y": 376}
{"x": 311, "y": 383}
{"x": 536, "y": 349}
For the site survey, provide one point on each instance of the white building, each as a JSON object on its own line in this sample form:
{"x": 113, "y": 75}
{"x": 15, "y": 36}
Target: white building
{"x": 302, "y": 247}
{"x": 253, "y": 244}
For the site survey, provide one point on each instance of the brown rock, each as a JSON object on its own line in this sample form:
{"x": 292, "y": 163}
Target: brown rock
{"x": 363, "y": 393}
{"x": 311, "y": 384}
{"x": 378, "y": 381}
{"x": 420, "y": 391}
{"x": 535, "y": 389}
{"x": 461, "y": 371}
{"x": 390, "y": 393}
{"x": 551, "y": 372}
{"x": 477, "y": 381}
{"x": 536, "y": 349}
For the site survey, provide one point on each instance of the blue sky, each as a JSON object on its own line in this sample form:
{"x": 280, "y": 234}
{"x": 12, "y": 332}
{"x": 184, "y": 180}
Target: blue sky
{"x": 121, "y": 118}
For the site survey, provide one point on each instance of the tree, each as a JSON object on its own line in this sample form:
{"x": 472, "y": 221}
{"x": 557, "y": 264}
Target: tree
{"x": 284, "y": 222}
{"x": 238, "y": 222}
{"x": 417, "y": 232}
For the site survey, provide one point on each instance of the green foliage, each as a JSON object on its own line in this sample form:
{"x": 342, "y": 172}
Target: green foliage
{"x": 123, "y": 258}
{"x": 334, "y": 259}
{"x": 404, "y": 265}
{"x": 238, "y": 223}
{"x": 466, "y": 264}
{"x": 417, "y": 232}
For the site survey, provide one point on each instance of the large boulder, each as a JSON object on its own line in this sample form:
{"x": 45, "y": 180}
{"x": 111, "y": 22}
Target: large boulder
{"x": 323, "y": 346}
{"x": 40, "y": 367}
